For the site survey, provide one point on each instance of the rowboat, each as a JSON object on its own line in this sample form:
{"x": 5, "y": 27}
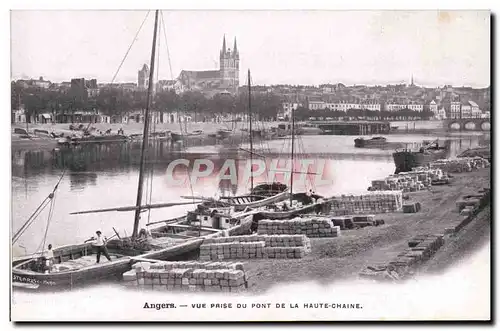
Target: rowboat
{"x": 76, "y": 264}
{"x": 73, "y": 264}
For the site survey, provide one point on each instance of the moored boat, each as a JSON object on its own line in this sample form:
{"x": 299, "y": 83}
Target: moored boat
{"x": 377, "y": 142}
{"x": 406, "y": 160}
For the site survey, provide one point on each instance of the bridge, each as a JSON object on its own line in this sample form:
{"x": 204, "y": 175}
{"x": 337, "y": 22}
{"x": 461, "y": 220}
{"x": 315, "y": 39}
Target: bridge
{"x": 468, "y": 124}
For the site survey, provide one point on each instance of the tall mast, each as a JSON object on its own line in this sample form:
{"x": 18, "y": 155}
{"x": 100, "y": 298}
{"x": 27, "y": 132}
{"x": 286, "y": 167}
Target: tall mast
{"x": 145, "y": 133}
{"x": 250, "y": 129}
{"x": 291, "y": 173}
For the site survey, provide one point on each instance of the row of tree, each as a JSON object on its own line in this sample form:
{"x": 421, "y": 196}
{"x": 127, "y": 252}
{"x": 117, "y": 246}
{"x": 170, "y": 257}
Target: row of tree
{"x": 113, "y": 101}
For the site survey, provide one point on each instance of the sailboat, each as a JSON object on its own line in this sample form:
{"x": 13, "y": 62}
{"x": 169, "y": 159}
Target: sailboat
{"x": 75, "y": 264}
{"x": 306, "y": 203}
{"x": 261, "y": 195}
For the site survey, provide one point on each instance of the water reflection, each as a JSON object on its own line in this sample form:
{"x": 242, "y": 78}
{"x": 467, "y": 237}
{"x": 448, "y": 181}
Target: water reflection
{"x": 103, "y": 176}
{"x": 125, "y": 157}
{"x": 80, "y": 180}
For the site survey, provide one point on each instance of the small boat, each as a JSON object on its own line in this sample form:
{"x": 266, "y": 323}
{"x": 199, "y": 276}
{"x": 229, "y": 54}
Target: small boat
{"x": 269, "y": 189}
{"x": 376, "y": 142}
{"x": 194, "y": 133}
{"x": 290, "y": 213}
{"x": 73, "y": 264}
{"x": 484, "y": 152}
{"x": 223, "y": 133}
{"x": 406, "y": 160}
{"x": 176, "y": 136}
{"x": 255, "y": 201}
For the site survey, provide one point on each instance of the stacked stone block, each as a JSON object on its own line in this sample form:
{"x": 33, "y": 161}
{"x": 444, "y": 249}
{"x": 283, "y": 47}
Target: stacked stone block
{"x": 255, "y": 247}
{"x": 370, "y": 202}
{"x": 468, "y": 207}
{"x": 420, "y": 249}
{"x": 311, "y": 227}
{"x": 188, "y": 276}
{"x": 416, "y": 180}
{"x": 462, "y": 164}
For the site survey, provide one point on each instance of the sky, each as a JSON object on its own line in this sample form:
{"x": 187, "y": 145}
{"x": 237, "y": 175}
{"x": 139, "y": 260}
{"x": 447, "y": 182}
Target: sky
{"x": 279, "y": 47}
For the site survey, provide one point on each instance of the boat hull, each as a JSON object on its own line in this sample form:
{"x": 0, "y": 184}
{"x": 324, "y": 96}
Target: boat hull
{"x": 176, "y": 137}
{"x": 22, "y": 270}
{"x": 406, "y": 160}
{"x": 242, "y": 202}
{"x": 279, "y": 215}
{"x": 367, "y": 143}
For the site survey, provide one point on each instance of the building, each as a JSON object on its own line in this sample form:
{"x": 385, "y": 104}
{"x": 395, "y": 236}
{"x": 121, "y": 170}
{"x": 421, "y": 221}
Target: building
{"x": 441, "y": 114}
{"x": 288, "y": 107}
{"x": 19, "y": 115}
{"x": 170, "y": 85}
{"x": 143, "y": 77}
{"x": 92, "y": 88}
{"x": 455, "y": 110}
{"x": 226, "y": 78}
{"x": 394, "y": 107}
{"x": 415, "y": 106}
{"x": 316, "y": 105}
{"x": 78, "y": 88}
{"x": 371, "y": 105}
{"x": 44, "y": 118}
{"x": 475, "y": 111}
{"x": 40, "y": 82}
{"x": 433, "y": 107}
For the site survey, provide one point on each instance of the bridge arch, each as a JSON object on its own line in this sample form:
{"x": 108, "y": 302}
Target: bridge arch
{"x": 486, "y": 126}
{"x": 470, "y": 126}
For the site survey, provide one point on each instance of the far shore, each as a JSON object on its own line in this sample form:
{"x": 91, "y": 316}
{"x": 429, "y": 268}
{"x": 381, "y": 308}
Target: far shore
{"x": 43, "y": 142}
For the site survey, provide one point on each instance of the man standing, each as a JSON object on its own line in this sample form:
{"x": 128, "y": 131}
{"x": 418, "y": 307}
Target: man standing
{"x": 100, "y": 244}
{"x": 48, "y": 256}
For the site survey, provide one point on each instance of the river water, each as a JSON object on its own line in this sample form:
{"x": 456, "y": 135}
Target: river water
{"x": 107, "y": 176}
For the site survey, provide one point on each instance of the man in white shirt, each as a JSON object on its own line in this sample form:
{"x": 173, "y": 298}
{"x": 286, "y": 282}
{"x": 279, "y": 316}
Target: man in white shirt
{"x": 48, "y": 255}
{"x": 100, "y": 245}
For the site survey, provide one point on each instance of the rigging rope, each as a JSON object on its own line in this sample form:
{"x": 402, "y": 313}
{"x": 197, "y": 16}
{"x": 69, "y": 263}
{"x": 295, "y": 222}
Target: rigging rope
{"x": 37, "y": 212}
{"x": 166, "y": 43}
{"x": 130, "y": 47}
{"x": 41, "y": 246}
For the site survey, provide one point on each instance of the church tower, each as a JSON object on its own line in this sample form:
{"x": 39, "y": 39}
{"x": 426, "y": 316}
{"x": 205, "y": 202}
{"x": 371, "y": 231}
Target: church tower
{"x": 230, "y": 66}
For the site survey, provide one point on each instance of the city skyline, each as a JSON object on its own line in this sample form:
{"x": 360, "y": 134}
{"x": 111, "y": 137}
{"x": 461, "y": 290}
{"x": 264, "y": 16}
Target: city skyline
{"x": 320, "y": 47}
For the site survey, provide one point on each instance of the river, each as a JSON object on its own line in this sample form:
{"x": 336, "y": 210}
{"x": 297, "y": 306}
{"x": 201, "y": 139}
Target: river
{"x": 107, "y": 176}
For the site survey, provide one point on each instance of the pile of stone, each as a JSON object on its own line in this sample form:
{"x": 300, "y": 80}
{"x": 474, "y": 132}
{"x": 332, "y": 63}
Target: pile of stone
{"x": 469, "y": 206}
{"x": 255, "y": 247}
{"x": 310, "y": 226}
{"x": 419, "y": 179}
{"x": 356, "y": 221}
{"x": 463, "y": 164}
{"x": 371, "y": 202}
{"x": 187, "y": 276}
{"x": 420, "y": 249}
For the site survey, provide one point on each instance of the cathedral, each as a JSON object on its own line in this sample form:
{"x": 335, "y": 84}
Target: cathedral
{"x": 224, "y": 79}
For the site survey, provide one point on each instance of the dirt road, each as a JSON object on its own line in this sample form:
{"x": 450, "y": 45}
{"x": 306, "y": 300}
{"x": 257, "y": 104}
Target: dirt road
{"x": 343, "y": 257}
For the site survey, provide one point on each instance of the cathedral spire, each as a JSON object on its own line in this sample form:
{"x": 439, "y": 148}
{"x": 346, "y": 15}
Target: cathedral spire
{"x": 224, "y": 44}
{"x": 235, "y": 48}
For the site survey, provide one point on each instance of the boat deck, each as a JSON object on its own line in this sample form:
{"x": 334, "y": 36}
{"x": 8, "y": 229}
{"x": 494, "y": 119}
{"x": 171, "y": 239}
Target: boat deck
{"x": 165, "y": 242}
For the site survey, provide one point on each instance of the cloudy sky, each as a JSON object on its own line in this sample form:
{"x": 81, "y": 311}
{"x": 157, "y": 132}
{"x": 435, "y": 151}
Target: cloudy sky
{"x": 294, "y": 47}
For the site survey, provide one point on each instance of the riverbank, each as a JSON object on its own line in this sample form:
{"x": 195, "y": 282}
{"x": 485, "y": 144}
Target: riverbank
{"x": 342, "y": 258}
{"x": 42, "y": 141}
